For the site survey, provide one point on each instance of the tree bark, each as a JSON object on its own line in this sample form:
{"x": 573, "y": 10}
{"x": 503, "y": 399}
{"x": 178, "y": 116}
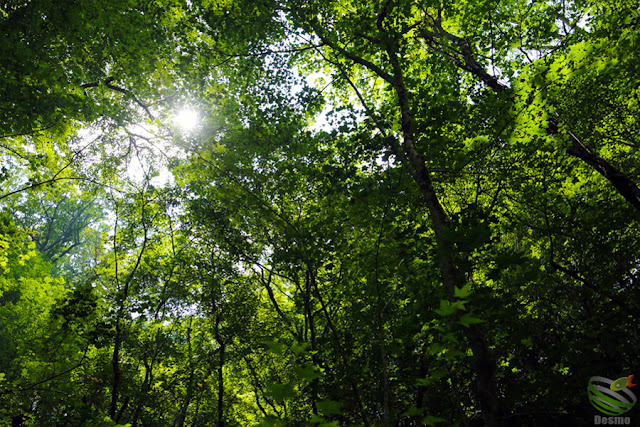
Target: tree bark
{"x": 483, "y": 363}
{"x": 622, "y": 183}
{"x": 115, "y": 358}
{"x": 221, "y": 343}
{"x": 115, "y": 366}
{"x": 309, "y": 314}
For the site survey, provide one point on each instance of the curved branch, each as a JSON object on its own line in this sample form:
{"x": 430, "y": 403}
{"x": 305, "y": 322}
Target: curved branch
{"x": 108, "y": 83}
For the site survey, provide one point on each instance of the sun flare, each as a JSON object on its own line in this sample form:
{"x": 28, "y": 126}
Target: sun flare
{"x": 187, "y": 119}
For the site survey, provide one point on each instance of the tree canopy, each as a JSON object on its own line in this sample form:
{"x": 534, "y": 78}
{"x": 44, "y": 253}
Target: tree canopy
{"x": 387, "y": 213}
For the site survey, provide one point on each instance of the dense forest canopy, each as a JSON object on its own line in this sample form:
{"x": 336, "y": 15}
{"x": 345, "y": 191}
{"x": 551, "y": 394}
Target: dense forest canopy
{"x": 332, "y": 213}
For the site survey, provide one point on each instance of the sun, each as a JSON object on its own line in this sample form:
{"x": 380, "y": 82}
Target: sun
{"x": 187, "y": 119}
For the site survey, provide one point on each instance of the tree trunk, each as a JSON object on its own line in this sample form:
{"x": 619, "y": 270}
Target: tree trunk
{"x": 314, "y": 346}
{"x": 625, "y": 186}
{"x": 221, "y": 343}
{"x": 414, "y": 162}
{"x": 483, "y": 362}
{"x": 115, "y": 366}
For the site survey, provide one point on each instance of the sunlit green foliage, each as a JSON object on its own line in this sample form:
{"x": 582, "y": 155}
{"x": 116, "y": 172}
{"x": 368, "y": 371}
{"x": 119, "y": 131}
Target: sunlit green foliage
{"x": 391, "y": 213}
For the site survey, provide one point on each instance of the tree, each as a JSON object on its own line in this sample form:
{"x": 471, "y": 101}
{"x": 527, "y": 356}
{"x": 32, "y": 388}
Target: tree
{"x": 392, "y": 213}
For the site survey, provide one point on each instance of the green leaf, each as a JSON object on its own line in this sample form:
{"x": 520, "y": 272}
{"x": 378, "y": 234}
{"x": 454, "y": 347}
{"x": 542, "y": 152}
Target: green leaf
{"x": 445, "y": 309}
{"x": 306, "y": 373}
{"x": 329, "y": 407}
{"x": 431, "y": 420}
{"x": 413, "y": 411}
{"x": 299, "y": 348}
{"x": 316, "y": 419}
{"x": 462, "y": 292}
{"x": 275, "y": 347}
{"x": 436, "y": 348}
{"x": 467, "y": 319}
{"x": 281, "y": 391}
{"x": 272, "y": 421}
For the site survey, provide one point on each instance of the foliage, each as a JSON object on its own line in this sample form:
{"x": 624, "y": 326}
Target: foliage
{"x": 390, "y": 213}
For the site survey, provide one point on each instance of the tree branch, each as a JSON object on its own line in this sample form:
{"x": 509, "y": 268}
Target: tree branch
{"x": 108, "y": 83}
{"x": 26, "y": 133}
